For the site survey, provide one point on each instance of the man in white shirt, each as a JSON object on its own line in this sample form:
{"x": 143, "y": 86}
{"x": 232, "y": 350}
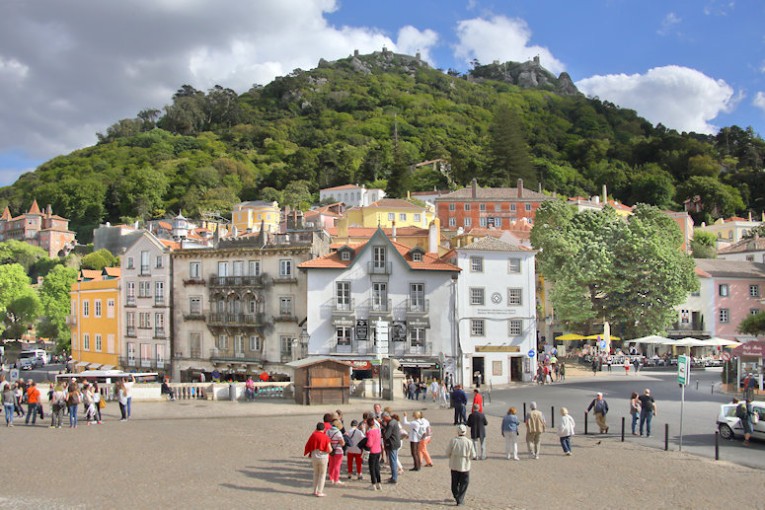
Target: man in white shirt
{"x": 460, "y": 450}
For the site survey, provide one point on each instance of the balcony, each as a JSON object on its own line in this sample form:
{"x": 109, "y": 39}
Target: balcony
{"x": 160, "y": 333}
{"x": 236, "y": 319}
{"x": 695, "y": 328}
{"x": 379, "y": 268}
{"x": 130, "y": 301}
{"x": 194, "y": 281}
{"x": 130, "y": 331}
{"x": 359, "y": 347}
{"x": 286, "y": 357}
{"x": 237, "y": 281}
{"x": 230, "y": 356}
{"x": 194, "y": 316}
{"x": 407, "y": 349}
{"x": 159, "y": 301}
{"x": 144, "y": 271}
{"x": 417, "y": 306}
{"x": 196, "y": 353}
{"x": 286, "y": 278}
{"x": 377, "y": 307}
{"x": 147, "y": 363}
{"x": 285, "y": 317}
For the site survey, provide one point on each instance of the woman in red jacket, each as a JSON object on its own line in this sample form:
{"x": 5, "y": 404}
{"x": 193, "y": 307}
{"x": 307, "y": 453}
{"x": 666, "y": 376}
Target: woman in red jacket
{"x": 318, "y": 447}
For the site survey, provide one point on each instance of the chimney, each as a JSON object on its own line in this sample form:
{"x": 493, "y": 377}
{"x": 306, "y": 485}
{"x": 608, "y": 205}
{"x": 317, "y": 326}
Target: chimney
{"x": 474, "y": 186}
{"x": 393, "y": 231}
{"x": 520, "y": 188}
{"x": 434, "y": 236}
{"x": 605, "y": 195}
{"x": 49, "y": 211}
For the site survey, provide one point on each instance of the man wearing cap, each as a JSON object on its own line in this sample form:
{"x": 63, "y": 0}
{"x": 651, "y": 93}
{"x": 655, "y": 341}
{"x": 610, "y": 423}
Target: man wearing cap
{"x": 460, "y": 451}
{"x": 601, "y": 409}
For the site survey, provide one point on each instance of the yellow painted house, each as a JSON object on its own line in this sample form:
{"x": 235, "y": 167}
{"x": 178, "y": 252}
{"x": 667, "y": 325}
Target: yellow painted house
{"x": 388, "y": 212}
{"x": 95, "y": 321}
{"x": 248, "y": 216}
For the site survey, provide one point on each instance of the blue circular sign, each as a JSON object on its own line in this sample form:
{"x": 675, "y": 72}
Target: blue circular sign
{"x": 602, "y": 344}
{"x": 532, "y": 353}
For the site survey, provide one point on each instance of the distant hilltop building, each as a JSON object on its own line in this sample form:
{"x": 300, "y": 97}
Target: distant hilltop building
{"x": 351, "y": 195}
{"x": 43, "y": 229}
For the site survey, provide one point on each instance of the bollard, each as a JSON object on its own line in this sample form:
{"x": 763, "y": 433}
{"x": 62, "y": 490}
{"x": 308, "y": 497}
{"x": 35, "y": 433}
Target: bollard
{"x": 666, "y": 437}
{"x": 524, "y": 411}
{"x": 552, "y": 416}
{"x": 717, "y": 445}
{"x": 713, "y": 388}
{"x": 622, "y": 429}
{"x": 585, "y": 422}
{"x": 697, "y": 385}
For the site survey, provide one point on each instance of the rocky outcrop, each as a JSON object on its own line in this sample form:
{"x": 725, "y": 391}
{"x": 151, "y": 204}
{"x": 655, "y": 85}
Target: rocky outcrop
{"x": 528, "y": 75}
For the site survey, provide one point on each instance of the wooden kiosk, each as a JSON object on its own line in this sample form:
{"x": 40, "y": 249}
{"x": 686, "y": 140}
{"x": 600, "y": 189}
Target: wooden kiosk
{"x": 321, "y": 380}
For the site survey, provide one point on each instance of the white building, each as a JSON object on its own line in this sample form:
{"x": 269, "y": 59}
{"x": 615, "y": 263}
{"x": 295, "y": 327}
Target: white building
{"x": 750, "y": 250}
{"x": 351, "y": 195}
{"x": 146, "y": 269}
{"x": 361, "y": 289}
{"x": 496, "y": 300}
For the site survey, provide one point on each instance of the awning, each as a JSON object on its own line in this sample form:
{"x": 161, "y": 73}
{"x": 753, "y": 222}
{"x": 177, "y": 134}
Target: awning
{"x": 107, "y": 367}
{"x": 754, "y": 349}
{"x": 83, "y": 364}
{"x": 689, "y": 342}
{"x": 651, "y": 339}
{"x": 721, "y": 342}
{"x": 569, "y": 337}
{"x": 599, "y": 336}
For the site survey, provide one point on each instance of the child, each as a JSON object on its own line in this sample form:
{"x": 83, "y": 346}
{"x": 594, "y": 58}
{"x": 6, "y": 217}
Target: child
{"x": 566, "y": 430}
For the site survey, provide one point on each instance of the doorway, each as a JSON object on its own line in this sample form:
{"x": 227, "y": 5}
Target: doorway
{"x": 516, "y": 369}
{"x": 478, "y": 366}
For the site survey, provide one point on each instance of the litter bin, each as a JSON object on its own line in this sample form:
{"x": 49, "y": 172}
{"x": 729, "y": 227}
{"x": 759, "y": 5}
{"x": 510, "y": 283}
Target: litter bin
{"x": 232, "y": 392}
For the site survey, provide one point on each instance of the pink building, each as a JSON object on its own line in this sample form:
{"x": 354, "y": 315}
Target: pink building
{"x": 46, "y": 230}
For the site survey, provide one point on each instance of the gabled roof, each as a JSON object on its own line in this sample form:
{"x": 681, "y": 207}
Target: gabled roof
{"x": 90, "y": 275}
{"x": 340, "y": 188}
{"x": 745, "y": 245}
{"x": 112, "y": 272}
{"x": 429, "y": 262}
{"x": 6, "y": 214}
{"x": 35, "y": 209}
{"x": 313, "y": 360}
{"x": 719, "y": 268}
{"x": 492, "y": 244}
{"x": 494, "y": 194}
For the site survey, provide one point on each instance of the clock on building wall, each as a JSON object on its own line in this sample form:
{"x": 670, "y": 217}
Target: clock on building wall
{"x": 496, "y": 298}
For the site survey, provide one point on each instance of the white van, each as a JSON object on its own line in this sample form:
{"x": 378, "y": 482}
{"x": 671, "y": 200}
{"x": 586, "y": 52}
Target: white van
{"x": 38, "y": 357}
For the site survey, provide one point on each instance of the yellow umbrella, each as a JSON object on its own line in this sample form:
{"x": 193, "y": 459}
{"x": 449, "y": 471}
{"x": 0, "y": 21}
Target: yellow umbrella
{"x": 595, "y": 337}
{"x": 569, "y": 337}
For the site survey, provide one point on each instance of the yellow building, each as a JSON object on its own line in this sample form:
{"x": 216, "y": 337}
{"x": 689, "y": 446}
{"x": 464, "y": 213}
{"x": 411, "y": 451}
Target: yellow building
{"x": 248, "y": 216}
{"x": 388, "y": 212}
{"x": 95, "y": 321}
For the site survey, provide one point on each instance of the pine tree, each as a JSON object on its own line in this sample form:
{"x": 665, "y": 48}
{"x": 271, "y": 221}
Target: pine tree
{"x": 508, "y": 154}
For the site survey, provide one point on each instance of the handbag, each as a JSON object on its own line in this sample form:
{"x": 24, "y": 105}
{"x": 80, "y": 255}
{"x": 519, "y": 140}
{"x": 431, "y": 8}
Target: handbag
{"x": 102, "y": 404}
{"x": 755, "y": 418}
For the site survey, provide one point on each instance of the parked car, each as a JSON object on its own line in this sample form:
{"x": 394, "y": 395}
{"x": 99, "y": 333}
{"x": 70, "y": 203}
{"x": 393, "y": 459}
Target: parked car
{"x": 26, "y": 363}
{"x": 730, "y": 426}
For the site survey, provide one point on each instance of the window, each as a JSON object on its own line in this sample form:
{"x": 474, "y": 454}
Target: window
{"x": 482, "y": 222}
{"x": 528, "y": 207}
{"x": 754, "y": 311}
{"x": 724, "y": 316}
{"x": 391, "y": 216}
{"x": 254, "y": 343}
{"x": 254, "y": 268}
{"x": 99, "y": 343}
{"x": 754, "y": 291}
{"x": 86, "y": 341}
{"x": 159, "y": 325}
{"x": 466, "y": 207}
{"x": 476, "y": 296}
{"x": 417, "y": 217}
{"x": 195, "y": 305}
{"x": 159, "y": 292}
{"x": 468, "y": 222}
{"x": 144, "y": 262}
{"x": 481, "y": 207}
{"x": 345, "y": 255}
{"x": 685, "y": 317}
{"x": 238, "y": 345}
{"x": 416, "y": 257}
{"x": 515, "y": 328}
{"x": 417, "y": 296}
{"x": 159, "y": 350}
{"x": 222, "y": 342}
{"x": 145, "y": 355}
{"x": 497, "y": 222}
{"x": 378, "y": 257}
{"x": 131, "y": 353}
{"x": 130, "y": 263}
{"x": 452, "y": 222}
{"x": 402, "y": 216}
{"x": 514, "y": 297}
{"x": 512, "y": 207}
{"x": 222, "y": 272}
{"x": 130, "y": 319}
{"x": 723, "y": 290}
{"x": 343, "y": 295}
{"x": 195, "y": 270}
{"x": 285, "y": 268}
{"x": 110, "y": 344}
{"x": 97, "y": 307}
{"x": 144, "y": 289}
{"x": 238, "y": 267}
{"x": 285, "y": 305}
{"x": 343, "y": 335}
{"x": 477, "y": 327}
{"x": 476, "y": 264}
{"x": 497, "y": 207}
{"x": 144, "y": 320}
{"x": 86, "y": 308}
{"x": 514, "y": 265}
{"x": 452, "y": 206}
{"x": 417, "y": 336}
{"x": 285, "y": 346}
{"x": 159, "y": 262}
{"x": 379, "y": 296}
{"x": 110, "y": 308}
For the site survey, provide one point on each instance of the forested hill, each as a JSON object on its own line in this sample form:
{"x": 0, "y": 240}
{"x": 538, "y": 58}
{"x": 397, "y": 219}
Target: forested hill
{"x": 368, "y": 119}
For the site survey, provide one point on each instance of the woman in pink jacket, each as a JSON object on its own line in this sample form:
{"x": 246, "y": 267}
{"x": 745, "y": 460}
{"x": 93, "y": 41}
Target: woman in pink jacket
{"x": 374, "y": 444}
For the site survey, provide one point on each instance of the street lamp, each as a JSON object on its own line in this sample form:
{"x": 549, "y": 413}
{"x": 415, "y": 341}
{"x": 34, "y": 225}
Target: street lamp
{"x": 303, "y": 338}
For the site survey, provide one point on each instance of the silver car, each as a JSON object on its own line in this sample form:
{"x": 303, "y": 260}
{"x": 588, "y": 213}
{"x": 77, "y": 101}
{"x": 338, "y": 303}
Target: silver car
{"x": 729, "y": 424}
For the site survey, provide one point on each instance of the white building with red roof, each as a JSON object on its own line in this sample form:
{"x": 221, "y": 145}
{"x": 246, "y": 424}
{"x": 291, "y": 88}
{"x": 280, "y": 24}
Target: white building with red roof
{"x": 352, "y": 195}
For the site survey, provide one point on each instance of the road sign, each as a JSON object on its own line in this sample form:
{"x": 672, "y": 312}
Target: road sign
{"x": 725, "y": 356}
{"x": 683, "y": 369}
{"x": 602, "y": 344}
{"x": 381, "y": 330}
{"x": 532, "y": 353}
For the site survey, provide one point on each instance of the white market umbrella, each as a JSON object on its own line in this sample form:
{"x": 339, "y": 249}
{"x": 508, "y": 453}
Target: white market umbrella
{"x": 651, "y": 339}
{"x": 689, "y": 342}
{"x": 722, "y": 342}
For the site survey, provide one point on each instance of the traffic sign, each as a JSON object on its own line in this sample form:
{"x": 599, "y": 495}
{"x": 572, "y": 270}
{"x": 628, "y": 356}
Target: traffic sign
{"x": 602, "y": 344}
{"x": 532, "y": 353}
{"x": 683, "y": 369}
{"x": 725, "y": 356}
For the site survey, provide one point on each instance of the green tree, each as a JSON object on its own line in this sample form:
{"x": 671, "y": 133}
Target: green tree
{"x": 753, "y": 325}
{"x": 703, "y": 245}
{"x": 54, "y": 296}
{"x": 508, "y": 153}
{"x": 31, "y": 258}
{"x": 99, "y": 260}
{"x": 14, "y": 284}
{"x": 297, "y": 195}
{"x": 717, "y": 199}
{"x": 22, "y": 313}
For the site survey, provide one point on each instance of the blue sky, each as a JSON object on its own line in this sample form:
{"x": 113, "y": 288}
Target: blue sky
{"x": 70, "y": 69}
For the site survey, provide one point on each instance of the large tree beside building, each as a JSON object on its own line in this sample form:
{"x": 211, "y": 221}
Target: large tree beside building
{"x": 509, "y": 158}
{"x": 630, "y": 272}
{"x": 54, "y": 295}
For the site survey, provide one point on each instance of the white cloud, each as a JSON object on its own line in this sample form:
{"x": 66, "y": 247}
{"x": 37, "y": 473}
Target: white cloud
{"x": 678, "y": 97}
{"x": 501, "y": 38}
{"x": 669, "y": 21}
{"x": 85, "y": 65}
{"x": 411, "y": 40}
{"x": 759, "y": 100}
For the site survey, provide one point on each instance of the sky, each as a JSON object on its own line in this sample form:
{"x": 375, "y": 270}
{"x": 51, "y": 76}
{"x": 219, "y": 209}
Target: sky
{"x": 68, "y": 70}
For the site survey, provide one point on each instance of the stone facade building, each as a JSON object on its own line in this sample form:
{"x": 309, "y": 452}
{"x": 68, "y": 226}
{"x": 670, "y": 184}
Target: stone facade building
{"x": 46, "y": 230}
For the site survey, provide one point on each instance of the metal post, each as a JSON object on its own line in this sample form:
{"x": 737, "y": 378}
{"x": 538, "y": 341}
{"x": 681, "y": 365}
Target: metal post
{"x": 524, "y": 411}
{"x": 666, "y": 437}
{"x": 622, "y": 429}
{"x": 713, "y": 388}
{"x": 717, "y": 445}
{"x": 585, "y": 422}
{"x": 552, "y": 416}
{"x": 697, "y": 384}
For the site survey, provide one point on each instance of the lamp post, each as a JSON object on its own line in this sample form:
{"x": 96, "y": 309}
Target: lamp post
{"x": 301, "y": 351}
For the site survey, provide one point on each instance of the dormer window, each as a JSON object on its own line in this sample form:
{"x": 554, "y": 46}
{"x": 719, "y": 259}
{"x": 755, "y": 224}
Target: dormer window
{"x": 345, "y": 255}
{"x": 416, "y": 253}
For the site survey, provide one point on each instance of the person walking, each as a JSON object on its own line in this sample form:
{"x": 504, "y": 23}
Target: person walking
{"x": 434, "y": 389}
{"x": 336, "y": 455}
{"x": 562, "y": 372}
{"x": 354, "y": 451}
{"x": 73, "y": 399}
{"x": 425, "y": 438}
{"x": 626, "y": 366}
{"x": 375, "y": 446}
{"x": 460, "y": 450}
{"x": 128, "y": 387}
{"x": 415, "y": 436}
{"x": 58, "y": 405}
{"x": 510, "y": 433}
{"x": 477, "y": 399}
{"x": 634, "y": 411}
{"x": 744, "y": 413}
{"x": 98, "y": 402}
{"x": 459, "y": 400}
{"x": 318, "y": 447}
{"x": 647, "y": 411}
{"x": 9, "y": 403}
{"x": 122, "y": 399}
{"x": 594, "y": 365}
{"x": 392, "y": 441}
{"x": 477, "y": 423}
{"x": 535, "y": 426}
{"x": 33, "y": 400}
{"x": 601, "y": 410}
{"x": 566, "y": 430}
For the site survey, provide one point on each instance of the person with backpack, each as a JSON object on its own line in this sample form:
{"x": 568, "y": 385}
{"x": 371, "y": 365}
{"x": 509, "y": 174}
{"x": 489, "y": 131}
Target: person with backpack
{"x": 73, "y": 399}
{"x": 58, "y": 404}
{"x": 744, "y": 413}
{"x": 354, "y": 451}
{"x": 336, "y": 455}
{"x": 601, "y": 409}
